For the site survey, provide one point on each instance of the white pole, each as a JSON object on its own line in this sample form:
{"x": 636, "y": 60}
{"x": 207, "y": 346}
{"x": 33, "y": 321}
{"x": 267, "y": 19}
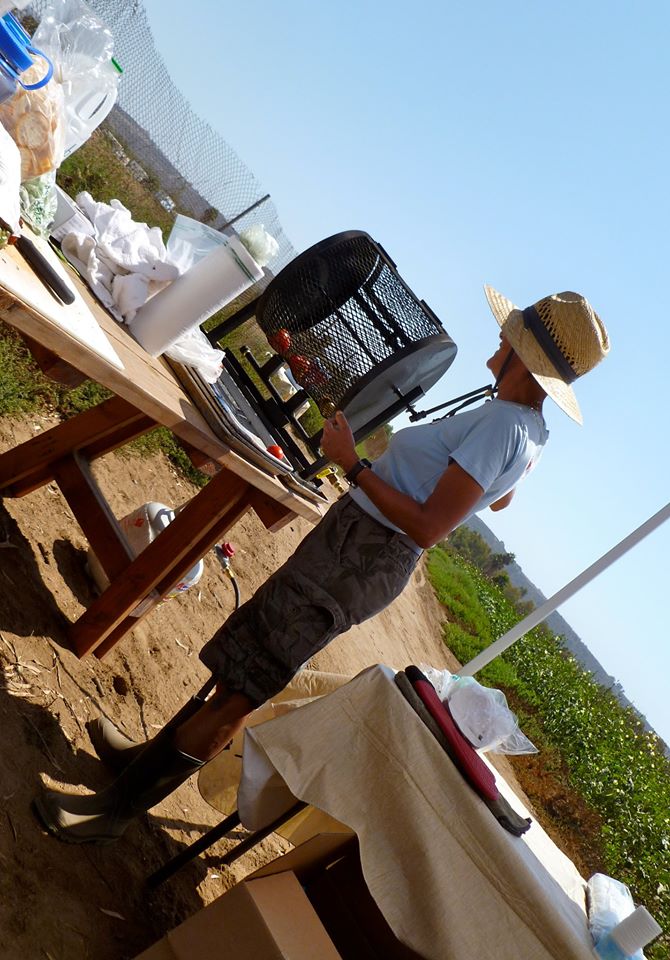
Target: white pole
{"x": 543, "y": 611}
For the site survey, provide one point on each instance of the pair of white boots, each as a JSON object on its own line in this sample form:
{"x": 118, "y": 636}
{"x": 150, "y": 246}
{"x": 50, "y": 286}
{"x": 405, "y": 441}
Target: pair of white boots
{"x": 147, "y": 774}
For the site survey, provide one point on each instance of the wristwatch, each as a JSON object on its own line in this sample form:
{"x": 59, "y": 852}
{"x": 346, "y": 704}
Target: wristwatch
{"x": 351, "y": 475}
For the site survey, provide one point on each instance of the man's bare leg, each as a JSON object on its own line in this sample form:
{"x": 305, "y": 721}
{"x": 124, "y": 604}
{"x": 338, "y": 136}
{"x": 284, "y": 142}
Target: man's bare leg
{"x": 208, "y": 731}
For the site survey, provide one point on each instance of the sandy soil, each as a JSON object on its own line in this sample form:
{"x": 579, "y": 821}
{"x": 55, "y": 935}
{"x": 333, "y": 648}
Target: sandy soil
{"x": 64, "y": 903}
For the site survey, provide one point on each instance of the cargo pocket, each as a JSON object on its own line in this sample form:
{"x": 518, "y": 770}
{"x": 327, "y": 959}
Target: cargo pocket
{"x": 400, "y": 556}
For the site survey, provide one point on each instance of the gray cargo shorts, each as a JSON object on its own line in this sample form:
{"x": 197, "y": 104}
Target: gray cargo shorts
{"x": 347, "y": 569}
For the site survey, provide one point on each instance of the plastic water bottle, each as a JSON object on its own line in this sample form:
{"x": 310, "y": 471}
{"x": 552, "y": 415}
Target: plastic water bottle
{"x": 628, "y": 937}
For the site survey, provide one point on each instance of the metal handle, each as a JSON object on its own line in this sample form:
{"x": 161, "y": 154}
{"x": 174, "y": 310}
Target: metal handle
{"x": 44, "y": 270}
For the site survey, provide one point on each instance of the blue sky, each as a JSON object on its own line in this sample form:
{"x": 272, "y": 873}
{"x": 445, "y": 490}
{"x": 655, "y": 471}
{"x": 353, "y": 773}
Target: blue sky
{"x": 516, "y": 144}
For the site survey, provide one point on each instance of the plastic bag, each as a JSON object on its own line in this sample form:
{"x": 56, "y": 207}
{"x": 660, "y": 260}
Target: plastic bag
{"x": 34, "y": 120}
{"x": 195, "y": 350}
{"x": 81, "y": 49}
{"x": 260, "y": 244}
{"x": 481, "y": 713}
{"x": 190, "y": 241}
{"x": 39, "y": 202}
{"x": 609, "y": 902}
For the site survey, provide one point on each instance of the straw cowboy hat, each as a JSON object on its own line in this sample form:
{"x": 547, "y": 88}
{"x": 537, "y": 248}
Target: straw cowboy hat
{"x": 559, "y": 339}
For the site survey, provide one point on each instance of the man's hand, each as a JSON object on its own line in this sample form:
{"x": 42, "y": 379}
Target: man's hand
{"x": 337, "y": 442}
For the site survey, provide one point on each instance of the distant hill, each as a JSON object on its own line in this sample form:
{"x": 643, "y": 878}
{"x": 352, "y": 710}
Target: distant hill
{"x": 555, "y": 621}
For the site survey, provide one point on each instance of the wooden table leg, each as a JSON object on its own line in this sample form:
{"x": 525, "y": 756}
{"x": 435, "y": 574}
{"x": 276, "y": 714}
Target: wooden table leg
{"x": 273, "y": 515}
{"x": 52, "y": 365}
{"x": 94, "y": 515}
{"x": 93, "y": 433}
{"x": 193, "y": 532}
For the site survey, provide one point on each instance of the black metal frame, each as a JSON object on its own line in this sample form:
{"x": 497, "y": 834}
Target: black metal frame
{"x": 218, "y": 832}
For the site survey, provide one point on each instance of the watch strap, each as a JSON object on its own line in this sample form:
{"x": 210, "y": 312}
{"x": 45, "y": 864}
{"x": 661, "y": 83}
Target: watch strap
{"x": 352, "y": 474}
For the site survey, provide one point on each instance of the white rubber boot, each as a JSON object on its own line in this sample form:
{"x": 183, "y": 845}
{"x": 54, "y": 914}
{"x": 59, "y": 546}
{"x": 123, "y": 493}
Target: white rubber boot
{"x": 104, "y": 816}
{"x": 114, "y": 748}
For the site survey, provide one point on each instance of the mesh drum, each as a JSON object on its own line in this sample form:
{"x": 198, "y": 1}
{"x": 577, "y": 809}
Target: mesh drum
{"x": 353, "y": 333}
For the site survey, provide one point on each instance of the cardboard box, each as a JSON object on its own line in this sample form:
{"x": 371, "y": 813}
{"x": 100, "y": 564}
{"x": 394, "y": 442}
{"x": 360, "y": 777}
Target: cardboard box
{"x": 310, "y": 903}
{"x": 310, "y": 857}
{"x": 329, "y": 869}
{"x": 268, "y": 918}
{"x": 348, "y": 911}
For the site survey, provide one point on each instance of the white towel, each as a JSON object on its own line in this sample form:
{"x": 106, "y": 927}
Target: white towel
{"x": 125, "y": 263}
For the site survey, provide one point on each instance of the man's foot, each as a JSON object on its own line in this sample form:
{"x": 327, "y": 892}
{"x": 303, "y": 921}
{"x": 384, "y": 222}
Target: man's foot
{"x": 104, "y": 816}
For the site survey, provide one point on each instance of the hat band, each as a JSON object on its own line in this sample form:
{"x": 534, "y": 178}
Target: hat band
{"x": 533, "y": 321}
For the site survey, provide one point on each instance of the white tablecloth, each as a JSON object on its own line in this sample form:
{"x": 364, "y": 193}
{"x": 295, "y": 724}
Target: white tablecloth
{"x": 451, "y": 882}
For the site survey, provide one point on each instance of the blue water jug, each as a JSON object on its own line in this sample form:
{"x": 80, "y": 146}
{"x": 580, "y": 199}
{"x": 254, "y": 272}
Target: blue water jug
{"x": 16, "y": 53}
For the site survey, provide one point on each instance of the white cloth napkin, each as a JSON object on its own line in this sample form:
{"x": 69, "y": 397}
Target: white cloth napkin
{"x": 124, "y": 262}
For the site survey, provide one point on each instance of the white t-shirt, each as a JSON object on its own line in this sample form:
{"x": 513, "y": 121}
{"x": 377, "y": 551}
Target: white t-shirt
{"x": 497, "y": 444}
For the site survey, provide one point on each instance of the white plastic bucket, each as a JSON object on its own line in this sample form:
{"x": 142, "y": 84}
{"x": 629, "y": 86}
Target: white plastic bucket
{"x": 141, "y": 527}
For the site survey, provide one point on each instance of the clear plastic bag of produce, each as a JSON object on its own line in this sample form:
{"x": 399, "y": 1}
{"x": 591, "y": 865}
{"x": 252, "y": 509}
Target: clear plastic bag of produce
{"x": 481, "y": 713}
{"x": 260, "y": 244}
{"x": 39, "y": 202}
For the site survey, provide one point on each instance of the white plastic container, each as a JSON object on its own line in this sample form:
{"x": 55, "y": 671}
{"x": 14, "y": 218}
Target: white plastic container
{"x": 626, "y": 940}
{"x": 196, "y": 295}
{"x": 69, "y": 218}
{"x": 619, "y": 930}
{"x": 87, "y": 105}
{"x": 141, "y": 527}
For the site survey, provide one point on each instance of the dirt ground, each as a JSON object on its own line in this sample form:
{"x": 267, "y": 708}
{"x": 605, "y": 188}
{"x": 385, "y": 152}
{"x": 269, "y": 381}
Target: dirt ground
{"x": 65, "y": 902}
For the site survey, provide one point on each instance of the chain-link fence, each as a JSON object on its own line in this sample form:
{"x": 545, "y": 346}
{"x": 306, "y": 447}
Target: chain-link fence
{"x": 190, "y": 166}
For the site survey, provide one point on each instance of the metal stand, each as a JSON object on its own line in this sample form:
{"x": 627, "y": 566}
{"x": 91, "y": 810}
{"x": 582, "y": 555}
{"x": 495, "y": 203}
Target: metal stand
{"x": 275, "y": 413}
{"x": 217, "y": 833}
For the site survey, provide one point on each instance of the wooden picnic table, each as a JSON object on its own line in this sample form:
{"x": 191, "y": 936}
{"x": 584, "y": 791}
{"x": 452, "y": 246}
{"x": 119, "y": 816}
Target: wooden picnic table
{"x": 83, "y": 337}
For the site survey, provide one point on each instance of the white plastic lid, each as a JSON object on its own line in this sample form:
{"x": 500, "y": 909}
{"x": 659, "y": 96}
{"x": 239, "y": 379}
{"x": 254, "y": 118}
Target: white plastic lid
{"x": 635, "y": 931}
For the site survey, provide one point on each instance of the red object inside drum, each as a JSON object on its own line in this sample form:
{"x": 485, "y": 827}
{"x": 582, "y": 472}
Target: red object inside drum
{"x": 280, "y": 341}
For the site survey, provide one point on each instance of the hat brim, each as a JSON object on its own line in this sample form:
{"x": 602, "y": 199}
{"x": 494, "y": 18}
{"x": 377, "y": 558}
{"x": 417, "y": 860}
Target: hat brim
{"x": 510, "y": 319}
